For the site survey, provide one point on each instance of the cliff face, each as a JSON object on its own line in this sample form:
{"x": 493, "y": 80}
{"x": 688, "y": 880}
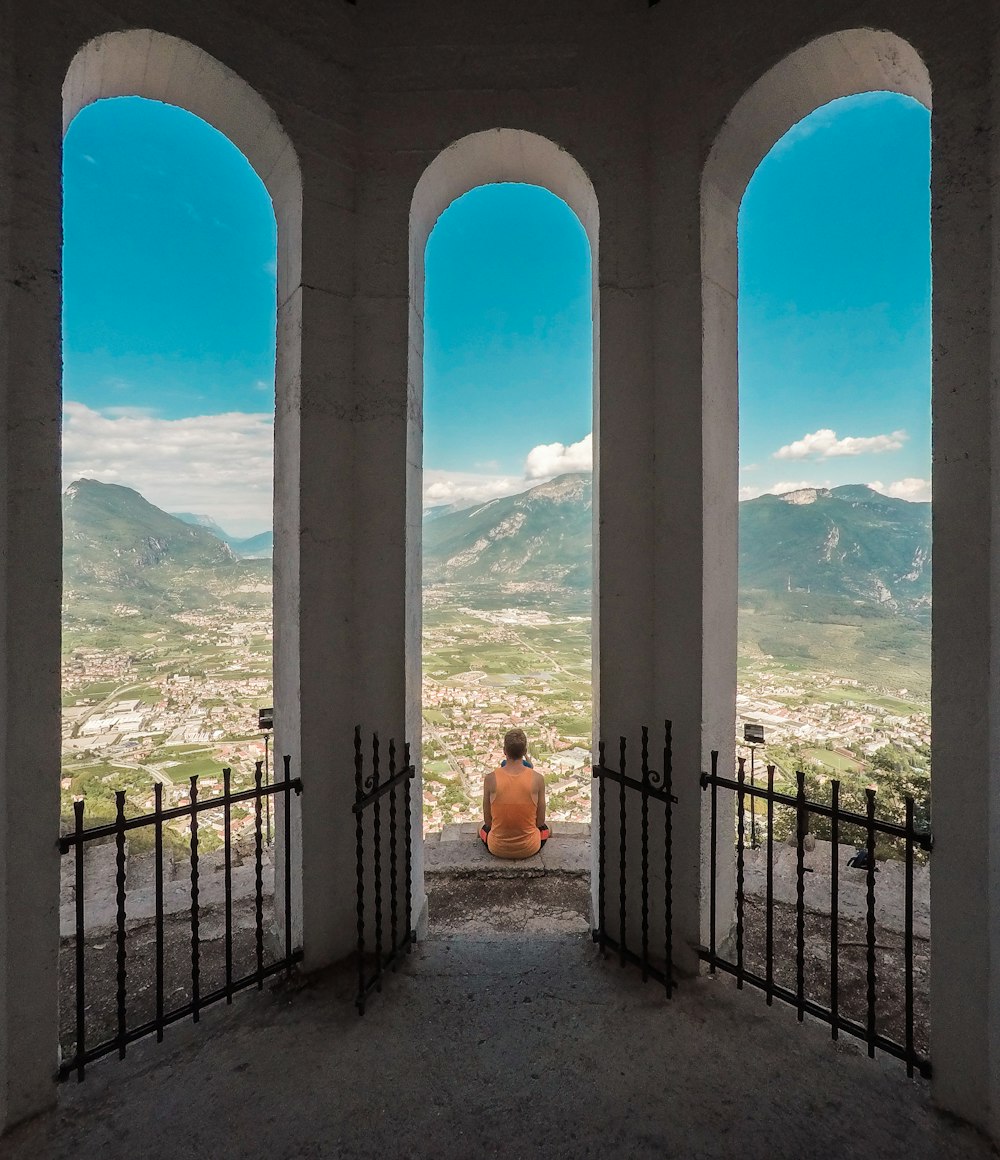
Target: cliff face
{"x": 847, "y": 542}
{"x": 117, "y": 542}
{"x": 544, "y": 534}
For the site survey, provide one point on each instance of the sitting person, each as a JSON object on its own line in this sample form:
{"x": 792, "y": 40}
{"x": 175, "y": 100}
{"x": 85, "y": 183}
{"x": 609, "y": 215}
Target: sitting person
{"x": 514, "y": 803}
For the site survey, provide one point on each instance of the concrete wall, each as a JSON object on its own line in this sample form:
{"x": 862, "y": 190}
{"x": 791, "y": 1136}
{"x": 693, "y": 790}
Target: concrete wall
{"x": 359, "y": 102}
{"x": 30, "y": 569}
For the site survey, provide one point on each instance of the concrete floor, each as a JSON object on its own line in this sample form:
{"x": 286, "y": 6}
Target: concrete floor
{"x": 501, "y": 1037}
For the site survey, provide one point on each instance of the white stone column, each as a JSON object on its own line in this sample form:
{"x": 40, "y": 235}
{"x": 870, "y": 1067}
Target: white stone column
{"x": 30, "y": 579}
{"x": 340, "y": 552}
{"x": 965, "y": 866}
{"x": 694, "y": 551}
{"x": 319, "y": 515}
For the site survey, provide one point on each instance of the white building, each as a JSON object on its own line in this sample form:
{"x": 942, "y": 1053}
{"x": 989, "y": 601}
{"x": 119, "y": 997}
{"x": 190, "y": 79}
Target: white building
{"x": 365, "y": 121}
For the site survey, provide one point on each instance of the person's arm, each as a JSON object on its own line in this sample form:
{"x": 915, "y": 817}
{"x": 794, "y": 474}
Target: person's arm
{"x": 540, "y": 808}
{"x": 489, "y": 788}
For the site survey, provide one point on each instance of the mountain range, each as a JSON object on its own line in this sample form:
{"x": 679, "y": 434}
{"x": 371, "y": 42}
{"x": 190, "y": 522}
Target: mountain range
{"x": 847, "y": 548}
{"x": 259, "y": 547}
{"x": 540, "y": 535}
{"x": 118, "y": 548}
{"x": 111, "y": 535}
{"x": 849, "y": 545}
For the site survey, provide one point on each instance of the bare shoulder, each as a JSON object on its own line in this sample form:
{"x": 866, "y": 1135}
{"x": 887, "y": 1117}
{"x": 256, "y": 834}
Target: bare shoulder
{"x": 539, "y": 780}
{"x": 490, "y": 781}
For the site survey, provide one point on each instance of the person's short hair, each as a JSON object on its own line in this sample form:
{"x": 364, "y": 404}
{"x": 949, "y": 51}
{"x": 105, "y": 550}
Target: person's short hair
{"x": 515, "y": 744}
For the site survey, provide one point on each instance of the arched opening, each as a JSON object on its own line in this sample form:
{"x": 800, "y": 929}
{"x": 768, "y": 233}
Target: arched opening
{"x": 176, "y": 82}
{"x": 834, "y": 362}
{"x": 507, "y": 556}
{"x": 856, "y": 61}
{"x": 833, "y": 679}
{"x": 169, "y": 262}
{"x": 482, "y": 159}
{"x": 168, "y": 354}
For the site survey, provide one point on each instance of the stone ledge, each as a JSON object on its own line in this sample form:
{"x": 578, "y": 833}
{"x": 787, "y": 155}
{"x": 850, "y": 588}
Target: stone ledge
{"x": 460, "y": 853}
{"x": 457, "y": 831}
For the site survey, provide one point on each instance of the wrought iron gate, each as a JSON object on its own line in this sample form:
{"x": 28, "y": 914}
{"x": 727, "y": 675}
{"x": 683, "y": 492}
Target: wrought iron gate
{"x": 821, "y": 998}
{"x": 636, "y": 796}
{"x": 378, "y": 857}
{"x": 150, "y": 988}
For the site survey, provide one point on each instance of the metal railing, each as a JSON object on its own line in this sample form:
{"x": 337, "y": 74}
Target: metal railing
{"x": 651, "y": 786}
{"x": 196, "y": 997}
{"x": 827, "y": 1006}
{"x": 369, "y": 792}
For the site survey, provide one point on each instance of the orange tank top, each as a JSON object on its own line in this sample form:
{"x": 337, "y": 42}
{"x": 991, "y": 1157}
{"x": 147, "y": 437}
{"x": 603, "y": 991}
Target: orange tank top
{"x": 514, "y": 833}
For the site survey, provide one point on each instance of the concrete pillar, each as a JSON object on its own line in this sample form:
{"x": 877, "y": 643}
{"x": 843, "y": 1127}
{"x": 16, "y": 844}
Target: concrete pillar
{"x": 341, "y": 565}
{"x": 30, "y": 579}
{"x": 694, "y": 547}
{"x": 320, "y": 648}
{"x": 965, "y": 868}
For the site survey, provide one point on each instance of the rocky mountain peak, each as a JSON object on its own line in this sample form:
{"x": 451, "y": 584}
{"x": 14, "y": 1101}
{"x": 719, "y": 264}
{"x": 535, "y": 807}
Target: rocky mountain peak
{"x": 805, "y": 495}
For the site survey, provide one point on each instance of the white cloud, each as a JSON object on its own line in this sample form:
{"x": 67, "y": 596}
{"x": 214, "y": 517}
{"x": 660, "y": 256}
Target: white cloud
{"x": 911, "y": 488}
{"x": 549, "y": 459}
{"x": 464, "y": 488}
{"x": 824, "y": 444}
{"x": 219, "y": 464}
{"x": 543, "y": 461}
{"x": 129, "y": 412}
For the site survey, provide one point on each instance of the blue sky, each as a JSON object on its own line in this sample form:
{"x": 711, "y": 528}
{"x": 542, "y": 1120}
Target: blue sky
{"x": 507, "y": 338}
{"x": 169, "y": 264}
{"x": 169, "y": 267}
{"x": 835, "y": 298}
{"x": 168, "y": 312}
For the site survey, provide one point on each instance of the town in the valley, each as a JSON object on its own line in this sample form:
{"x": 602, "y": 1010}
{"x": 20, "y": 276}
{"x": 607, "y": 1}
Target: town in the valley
{"x": 186, "y": 704}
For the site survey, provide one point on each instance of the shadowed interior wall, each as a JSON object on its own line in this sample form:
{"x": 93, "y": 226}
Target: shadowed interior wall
{"x": 368, "y": 95}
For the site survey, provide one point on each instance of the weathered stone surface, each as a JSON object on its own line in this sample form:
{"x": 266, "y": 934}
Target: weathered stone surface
{"x": 477, "y": 1025}
{"x": 467, "y": 855}
{"x": 461, "y": 852}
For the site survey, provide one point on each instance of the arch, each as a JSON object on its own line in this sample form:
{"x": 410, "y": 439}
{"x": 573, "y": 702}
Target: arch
{"x": 482, "y": 158}
{"x": 144, "y": 63}
{"x": 150, "y": 64}
{"x": 837, "y": 65}
{"x": 840, "y": 64}
{"x": 487, "y": 158}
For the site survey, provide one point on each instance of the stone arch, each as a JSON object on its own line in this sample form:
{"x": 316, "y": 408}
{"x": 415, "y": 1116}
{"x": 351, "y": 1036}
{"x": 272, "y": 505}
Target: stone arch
{"x": 840, "y": 64}
{"x": 144, "y": 63}
{"x": 481, "y": 158}
{"x": 833, "y": 66}
{"x": 486, "y": 158}
{"x": 150, "y": 64}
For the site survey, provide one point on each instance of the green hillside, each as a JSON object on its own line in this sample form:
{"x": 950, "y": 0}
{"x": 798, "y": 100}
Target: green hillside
{"x": 544, "y": 534}
{"x": 851, "y": 545}
{"x": 257, "y": 547}
{"x": 120, "y": 549}
{"x": 848, "y": 551}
